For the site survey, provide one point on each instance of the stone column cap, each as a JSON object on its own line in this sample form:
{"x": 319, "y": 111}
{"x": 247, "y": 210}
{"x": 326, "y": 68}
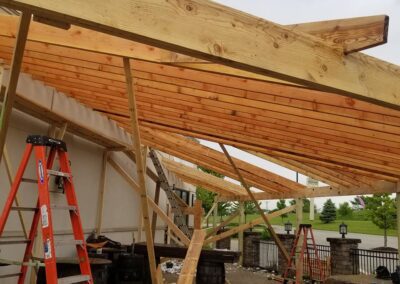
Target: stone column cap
{"x": 286, "y": 236}
{"x": 343, "y": 241}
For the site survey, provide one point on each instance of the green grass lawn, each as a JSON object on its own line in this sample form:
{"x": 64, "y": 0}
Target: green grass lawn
{"x": 355, "y": 225}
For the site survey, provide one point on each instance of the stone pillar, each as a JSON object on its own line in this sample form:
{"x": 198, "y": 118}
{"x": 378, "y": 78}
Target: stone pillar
{"x": 341, "y": 258}
{"x": 251, "y": 249}
{"x": 287, "y": 241}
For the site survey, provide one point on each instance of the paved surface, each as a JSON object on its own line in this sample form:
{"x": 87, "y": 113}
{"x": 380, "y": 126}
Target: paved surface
{"x": 367, "y": 241}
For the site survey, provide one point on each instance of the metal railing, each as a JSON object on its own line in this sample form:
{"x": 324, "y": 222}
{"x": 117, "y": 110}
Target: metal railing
{"x": 268, "y": 255}
{"x": 367, "y": 261}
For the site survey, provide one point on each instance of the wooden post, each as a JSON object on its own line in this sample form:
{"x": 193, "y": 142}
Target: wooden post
{"x": 241, "y": 235}
{"x": 312, "y": 209}
{"x": 245, "y": 185}
{"x": 215, "y": 215}
{"x": 154, "y": 217}
{"x": 192, "y": 257}
{"x": 140, "y": 169}
{"x": 299, "y": 220}
{"x": 398, "y": 219}
{"x": 198, "y": 211}
{"x": 102, "y": 188}
{"x": 16, "y": 63}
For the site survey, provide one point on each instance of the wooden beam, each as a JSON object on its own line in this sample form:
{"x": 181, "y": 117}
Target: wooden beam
{"x": 156, "y": 200}
{"x": 351, "y": 35}
{"x": 247, "y": 43}
{"x": 192, "y": 257}
{"x": 222, "y": 224}
{"x": 378, "y": 187}
{"x": 102, "y": 188}
{"x": 183, "y": 238}
{"x": 151, "y": 203}
{"x": 249, "y": 225}
{"x": 140, "y": 170}
{"x": 198, "y": 212}
{"x": 10, "y": 94}
{"x": 270, "y": 228}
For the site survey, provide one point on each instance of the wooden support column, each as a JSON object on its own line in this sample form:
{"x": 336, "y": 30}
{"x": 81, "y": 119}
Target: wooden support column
{"x": 198, "y": 212}
{"x": 154, "y": 217}
{"x": 215, "y": 215}
{"x": 102, "y": 188}
{"x": 245, "y": 185}
{"x": 312, "y": 209}
{"x": 140, "y": 169}
{"x": 299, "y": 220}
{"x": 240, "y": 234}
{"x": 398, "y": 219}
{"x": 192, "y": 257}
{"x": 16, "y": 63}
{"x": 141, "y": 221}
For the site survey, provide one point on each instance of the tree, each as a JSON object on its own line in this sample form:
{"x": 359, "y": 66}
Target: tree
{"x": 358, "y": 202}
{"x": 249, "y": 208}
{"x": 382, "y": 211}
{"x": 207, "y": 197}
{"x": 281, "y": 204}
{"x": 306, "y": 204}
{"x": 328, "y": 213}
{"x": 345, "y": 210}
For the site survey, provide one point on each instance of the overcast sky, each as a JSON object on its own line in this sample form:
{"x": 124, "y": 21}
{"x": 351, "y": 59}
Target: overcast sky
{"x": 296, "y": 11}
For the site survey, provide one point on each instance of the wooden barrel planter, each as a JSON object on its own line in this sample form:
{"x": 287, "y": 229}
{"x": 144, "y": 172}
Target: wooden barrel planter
{"x": 210, "y": 273}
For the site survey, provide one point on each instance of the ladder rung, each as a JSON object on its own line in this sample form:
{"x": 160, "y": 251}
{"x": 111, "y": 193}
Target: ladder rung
{"x": 57, "y": 173}
{"x": 14, "y": 242}
{"x": 63, "y": 207}
{"x": 24, "y": 208}
{"x": 30, "y": 180}
{"x": 34, "y": 263}
{"x": 68, "y": 242}
{"x": 73, "y": 279}
{"x": 10, "y": 275}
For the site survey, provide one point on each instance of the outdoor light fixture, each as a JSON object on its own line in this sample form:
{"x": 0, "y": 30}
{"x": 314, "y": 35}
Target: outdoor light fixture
{"x": 288, "y": 227}
{"x": 343, "y": 229}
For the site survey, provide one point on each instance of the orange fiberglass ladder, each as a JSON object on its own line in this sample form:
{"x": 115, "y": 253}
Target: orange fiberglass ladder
{"x": 39, "y": 144}
{"x": 314, "y": 270}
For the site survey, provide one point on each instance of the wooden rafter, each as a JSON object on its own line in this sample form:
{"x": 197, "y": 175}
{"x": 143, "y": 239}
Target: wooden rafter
{"x": 355, "y": 75}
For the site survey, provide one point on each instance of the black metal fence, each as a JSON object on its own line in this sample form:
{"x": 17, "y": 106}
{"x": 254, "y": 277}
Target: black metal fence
{"x": 312, "y": 268}
{"x": 268, "y": 255}
{"x": 366, "y": 261}
{"x": 269, "y": 258}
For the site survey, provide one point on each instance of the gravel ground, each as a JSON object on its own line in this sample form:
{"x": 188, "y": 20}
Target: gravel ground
{"x": 235, "y": 274}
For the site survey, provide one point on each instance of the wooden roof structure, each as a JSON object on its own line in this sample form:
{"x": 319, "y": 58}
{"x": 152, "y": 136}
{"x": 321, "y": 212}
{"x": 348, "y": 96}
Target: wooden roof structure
{"x": 301, "y": 96}
{"x": 340, "y": 140}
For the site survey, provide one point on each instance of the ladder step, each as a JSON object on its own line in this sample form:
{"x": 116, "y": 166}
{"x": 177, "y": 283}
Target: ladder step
{"x": 68, "y": 242}
{"x": 14, "y": 242}
{"x": 29, "y": 180}
{"x": 34, "y": 263}
{"x": 24, "y": 208}
{"x": 73, "y": 279}
{"x": 63, "y": 207}
{"x": 57, "y": 173}
{"x": 10, "y": 275}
